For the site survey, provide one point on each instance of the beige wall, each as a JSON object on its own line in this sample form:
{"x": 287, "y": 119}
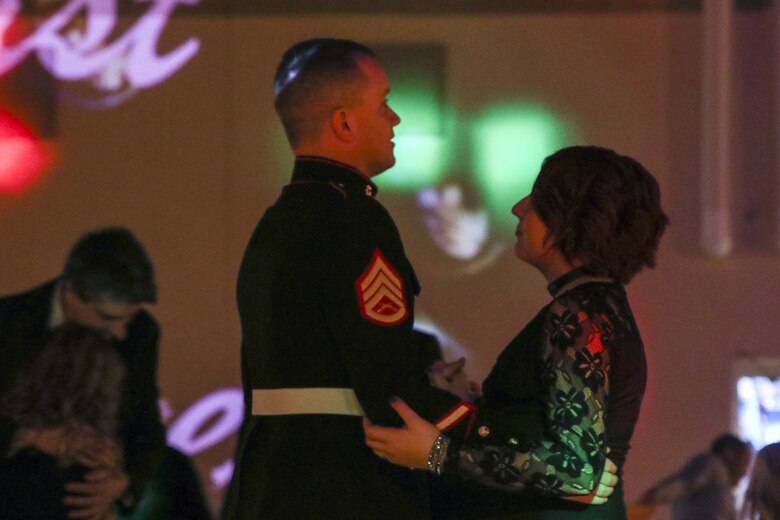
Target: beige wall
{"x": 191, "y": 164}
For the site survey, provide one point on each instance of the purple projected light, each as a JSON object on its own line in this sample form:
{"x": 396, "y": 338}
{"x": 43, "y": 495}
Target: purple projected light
{"x": 210, "y": 420}
{"x": 85, "y": 54}
{"x": 187, "y": 434}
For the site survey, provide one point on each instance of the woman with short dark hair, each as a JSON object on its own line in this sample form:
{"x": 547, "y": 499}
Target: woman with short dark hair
{"x": 568, "y": 388}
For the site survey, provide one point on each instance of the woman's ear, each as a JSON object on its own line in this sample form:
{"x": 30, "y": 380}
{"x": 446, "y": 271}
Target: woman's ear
{"x": 340, "y": 123}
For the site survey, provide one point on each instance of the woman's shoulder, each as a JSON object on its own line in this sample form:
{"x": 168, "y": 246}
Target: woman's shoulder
{"x": 597, "y": 305}
{"x": 591, "y": 296}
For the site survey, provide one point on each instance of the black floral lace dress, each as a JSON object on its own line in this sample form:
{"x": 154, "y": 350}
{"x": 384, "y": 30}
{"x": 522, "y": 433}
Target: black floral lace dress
{"x": 566, "y": 388}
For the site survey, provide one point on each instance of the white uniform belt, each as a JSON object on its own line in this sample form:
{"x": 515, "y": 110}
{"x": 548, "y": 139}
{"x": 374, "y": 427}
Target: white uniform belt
{"x": 295, "y": 401}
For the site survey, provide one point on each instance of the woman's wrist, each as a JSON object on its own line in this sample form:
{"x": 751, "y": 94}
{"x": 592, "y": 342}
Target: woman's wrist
{"x": 438, "y": 454}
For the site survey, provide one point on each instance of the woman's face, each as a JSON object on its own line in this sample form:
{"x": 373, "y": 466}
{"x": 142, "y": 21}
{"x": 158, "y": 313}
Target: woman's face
{"x": 531, "y": 246}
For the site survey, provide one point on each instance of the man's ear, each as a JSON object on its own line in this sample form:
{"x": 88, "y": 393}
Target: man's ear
{"x": 341, "y": 124}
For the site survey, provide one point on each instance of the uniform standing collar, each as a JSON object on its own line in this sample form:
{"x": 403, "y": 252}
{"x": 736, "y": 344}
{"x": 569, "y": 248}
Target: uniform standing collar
{"x": 310, "y": 168}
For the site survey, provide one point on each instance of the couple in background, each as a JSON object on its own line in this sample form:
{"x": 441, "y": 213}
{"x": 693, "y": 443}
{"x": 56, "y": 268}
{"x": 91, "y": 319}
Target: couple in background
{"x": 80, "y": 430}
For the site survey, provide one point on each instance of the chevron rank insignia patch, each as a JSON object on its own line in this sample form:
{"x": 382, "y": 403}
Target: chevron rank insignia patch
{"x": 380, "y": 292}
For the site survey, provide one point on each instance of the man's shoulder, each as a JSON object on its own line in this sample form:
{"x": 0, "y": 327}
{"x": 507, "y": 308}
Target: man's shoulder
{"x": 31, "y": 298}
{"x": 144, "y": 320}
{"x": 24, "y": 315}
{"x": 145, "y": 317}
{"x": 301, "y": 204}
{"x": 143, "y": 330}
{"x": 326, "y": 206}
{"x": 323, "y": 195}
{"x": 315, "y": 193}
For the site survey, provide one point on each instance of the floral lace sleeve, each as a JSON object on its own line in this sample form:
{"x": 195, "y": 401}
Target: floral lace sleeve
{"x": 570, "y": 460}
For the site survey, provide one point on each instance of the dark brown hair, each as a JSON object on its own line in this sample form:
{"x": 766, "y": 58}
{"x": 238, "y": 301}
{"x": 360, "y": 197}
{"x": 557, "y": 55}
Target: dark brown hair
{"x": 601, "y": 208}
{"x": 111, "y": 264}
{"x": 75, "y": 381}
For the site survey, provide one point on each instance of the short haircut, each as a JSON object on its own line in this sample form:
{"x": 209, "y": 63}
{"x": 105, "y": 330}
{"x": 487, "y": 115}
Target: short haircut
{"x": 314, "y": 78}
{"x": 110, "y": 264}
{"x": 600, "y": 208}
{"x": 729, "y": 442}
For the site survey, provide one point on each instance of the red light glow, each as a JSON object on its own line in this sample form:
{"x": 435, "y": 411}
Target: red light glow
{"x": 23, "y": 157}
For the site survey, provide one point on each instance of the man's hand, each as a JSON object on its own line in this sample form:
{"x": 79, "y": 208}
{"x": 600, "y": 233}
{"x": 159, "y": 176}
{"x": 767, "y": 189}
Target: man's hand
{"x": 603, "y": 489}
{"x": 94, "y": 497}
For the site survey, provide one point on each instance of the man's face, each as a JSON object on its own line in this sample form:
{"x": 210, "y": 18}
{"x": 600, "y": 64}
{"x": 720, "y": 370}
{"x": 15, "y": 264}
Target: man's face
{"x": 111, "y": 317}
{"x": 373, "y": 121}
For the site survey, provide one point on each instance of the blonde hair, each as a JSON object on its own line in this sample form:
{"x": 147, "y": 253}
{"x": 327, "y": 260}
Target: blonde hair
{"x": 762, "y": 498}
{"x": 76, "y": 381}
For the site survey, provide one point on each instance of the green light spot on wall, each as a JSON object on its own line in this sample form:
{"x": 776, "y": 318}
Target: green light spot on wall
{"x": 419, "y": 162}
{"x": 510, "y": 143}
{"x": 416, "y": 73}
{"x": 418, "y": 108}
{"x": 419, "y": 146}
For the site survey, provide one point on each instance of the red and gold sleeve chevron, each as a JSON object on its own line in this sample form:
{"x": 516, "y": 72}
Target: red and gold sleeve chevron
{"x": 380, "y": 292}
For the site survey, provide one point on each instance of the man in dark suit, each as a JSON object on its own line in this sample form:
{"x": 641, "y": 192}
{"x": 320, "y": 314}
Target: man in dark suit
{"x": 107, "y": 279}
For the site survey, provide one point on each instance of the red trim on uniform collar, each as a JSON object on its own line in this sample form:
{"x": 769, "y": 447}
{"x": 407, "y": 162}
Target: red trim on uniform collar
{"x": 371, "y": 187}
{"x": 317, "y": 158}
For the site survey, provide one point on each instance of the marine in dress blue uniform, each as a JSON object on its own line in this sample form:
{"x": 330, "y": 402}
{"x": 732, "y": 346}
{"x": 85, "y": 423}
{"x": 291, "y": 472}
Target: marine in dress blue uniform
{"x": 326, "y": 299}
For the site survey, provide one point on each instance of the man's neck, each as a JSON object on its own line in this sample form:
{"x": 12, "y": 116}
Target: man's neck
{"x": 332, "y": 153}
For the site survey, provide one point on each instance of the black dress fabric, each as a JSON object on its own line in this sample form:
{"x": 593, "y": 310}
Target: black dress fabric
{"x": 176, "y": 492}
{"x": 569, "y": 385}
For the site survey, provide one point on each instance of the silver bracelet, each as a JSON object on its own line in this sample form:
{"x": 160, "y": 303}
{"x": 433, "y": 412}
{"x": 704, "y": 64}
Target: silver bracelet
{"x": 438, "y": 454}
